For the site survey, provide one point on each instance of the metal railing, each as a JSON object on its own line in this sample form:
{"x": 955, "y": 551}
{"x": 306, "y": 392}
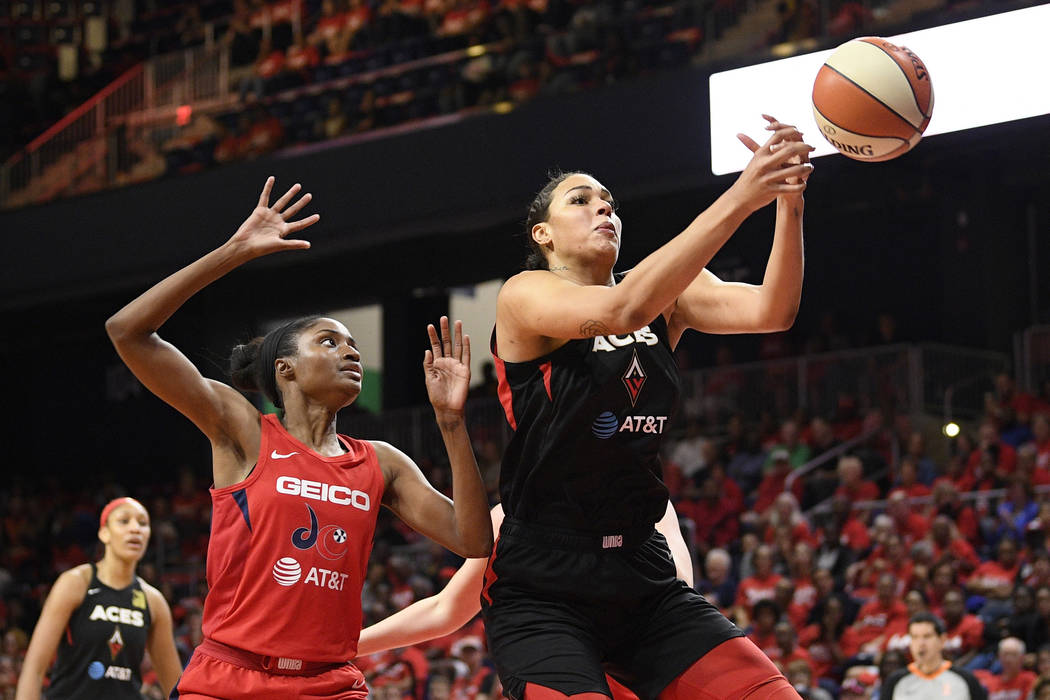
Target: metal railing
{"x": 79, "y": 153}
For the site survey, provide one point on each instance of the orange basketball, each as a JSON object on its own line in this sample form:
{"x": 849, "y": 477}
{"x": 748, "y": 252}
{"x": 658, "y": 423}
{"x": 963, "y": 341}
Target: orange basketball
{"x": 872, "y": 99}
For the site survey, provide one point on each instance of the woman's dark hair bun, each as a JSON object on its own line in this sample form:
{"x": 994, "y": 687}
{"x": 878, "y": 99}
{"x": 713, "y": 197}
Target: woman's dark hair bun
{"x": 244, "y": 365}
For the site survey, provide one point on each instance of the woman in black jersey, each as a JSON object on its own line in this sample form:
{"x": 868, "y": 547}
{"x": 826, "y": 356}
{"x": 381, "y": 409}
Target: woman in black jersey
{"x": 579, "y": 582}
{"x": 101, "y": 619}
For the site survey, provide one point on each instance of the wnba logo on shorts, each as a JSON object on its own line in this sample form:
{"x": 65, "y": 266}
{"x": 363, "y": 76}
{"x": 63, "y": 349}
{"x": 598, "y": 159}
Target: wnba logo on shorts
{"x": 612, "y": 541}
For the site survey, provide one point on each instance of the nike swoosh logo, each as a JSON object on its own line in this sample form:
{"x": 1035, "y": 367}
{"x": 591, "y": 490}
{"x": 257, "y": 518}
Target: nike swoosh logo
{"x": 93, "y": 591}
{"x": 277, "y": 455}
{"x": 359, "y": 683}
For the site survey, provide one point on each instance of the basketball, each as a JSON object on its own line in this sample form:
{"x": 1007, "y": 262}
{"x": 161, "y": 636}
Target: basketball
{"x": 872, "y": 99}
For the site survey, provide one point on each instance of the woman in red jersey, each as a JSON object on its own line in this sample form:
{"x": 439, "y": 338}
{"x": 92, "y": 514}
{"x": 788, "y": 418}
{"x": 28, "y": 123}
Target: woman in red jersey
{"x": 294, "y": 503}
{"x": 579, "y": 583}
{"x": 101, "y": 619}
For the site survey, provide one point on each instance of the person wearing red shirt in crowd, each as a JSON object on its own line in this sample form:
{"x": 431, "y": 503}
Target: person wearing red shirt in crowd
{"x": 908, "y": 480}
{"x": 909, "y": 524}
{"x": 1028, "y": 467}
{"x": 946, "y": 502}
{"x": 896, "y": 637}
{"x": 479, "y": 680}
{"x": 963, "y": 632}
{"x": 787, "y": 649}
{"x": 1041, "y": 433}
{"x": 729, "y": 489}
{"x": 760, "y": 586}
{"x": 330, "y": 31}
{"x": 772, "y": 484}
{"x": 852, "y": 530}
{"x": 851, "y": 481}
{"x": 946, "y": 540}
{"x": 766, "y": 614}
{"x": 715, "y": 522}
{"x": 801, "y": 568}
{"x": 867, "y": 631}
{"x": 991, "y": 578}
{"x": 1036, "y": 571}
{"x": 783, "y": 596}
{"x": 821, "y": 639}
{"x": 785, "y": 513}
{"x": 1014, "y": 683}
{"x": 1002, "y": 456}
{"x": 1007, "y": 395}
{"x": 943, "y": 578}
{"x": 892, "y": 558}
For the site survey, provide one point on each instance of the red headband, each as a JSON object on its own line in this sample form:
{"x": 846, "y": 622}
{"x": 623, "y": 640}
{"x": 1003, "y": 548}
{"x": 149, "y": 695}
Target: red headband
{"x": 113, "y": 504}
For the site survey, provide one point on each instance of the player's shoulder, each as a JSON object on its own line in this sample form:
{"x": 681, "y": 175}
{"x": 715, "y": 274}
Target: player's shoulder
{"x": 72, "y": 584}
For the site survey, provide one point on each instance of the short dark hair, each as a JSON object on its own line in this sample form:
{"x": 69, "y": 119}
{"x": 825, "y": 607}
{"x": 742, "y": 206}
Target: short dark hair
{"x": 938, "y": 624}
{"x": 252, "y": 363}
{"x": 766, "y": 603}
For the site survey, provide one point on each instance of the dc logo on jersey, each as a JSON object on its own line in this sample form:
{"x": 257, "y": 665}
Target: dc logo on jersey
{"x": 634, "y": 378}
{"x": 287, "y": 571}
{"x": 329, "y": 541}
{"x": 605, "y": 425}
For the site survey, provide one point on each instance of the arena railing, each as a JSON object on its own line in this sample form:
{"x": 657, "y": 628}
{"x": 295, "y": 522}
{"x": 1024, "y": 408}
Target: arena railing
{"x": 78, "y": 154}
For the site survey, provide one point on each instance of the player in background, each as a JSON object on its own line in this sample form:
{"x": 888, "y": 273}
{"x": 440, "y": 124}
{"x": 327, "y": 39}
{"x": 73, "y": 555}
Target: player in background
{"x": 101, "y": 619}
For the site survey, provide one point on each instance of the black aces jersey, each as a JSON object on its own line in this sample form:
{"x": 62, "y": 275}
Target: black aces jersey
{"x": 588, "y": 420}
{"x": 101, "y": 650}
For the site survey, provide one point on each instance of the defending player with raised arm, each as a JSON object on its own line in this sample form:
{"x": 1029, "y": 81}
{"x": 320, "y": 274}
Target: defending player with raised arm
{"x": 294, "y": 502}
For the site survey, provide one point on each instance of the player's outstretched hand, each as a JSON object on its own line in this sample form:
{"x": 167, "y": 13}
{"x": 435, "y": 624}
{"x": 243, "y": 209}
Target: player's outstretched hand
{"x": 447, "y": 368}
{"x": 265, "y": 231}
{"x": 780, "y": 166}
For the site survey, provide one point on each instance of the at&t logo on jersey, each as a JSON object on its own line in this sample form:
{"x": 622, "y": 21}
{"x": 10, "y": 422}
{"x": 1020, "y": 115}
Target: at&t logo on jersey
{"x": 97, "y": 670}
{"x": 287, "y": 572}
{"x": 320, "y": 491}
{"x": 607, "y": 424}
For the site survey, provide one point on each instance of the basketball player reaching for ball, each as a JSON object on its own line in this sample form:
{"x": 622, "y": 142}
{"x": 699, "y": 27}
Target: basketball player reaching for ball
{"x": 294, "y": 503}
{"x": 101, "y": 619}
{"x": 579, "y": 583}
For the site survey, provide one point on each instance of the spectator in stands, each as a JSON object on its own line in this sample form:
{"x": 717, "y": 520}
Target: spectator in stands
{"x": 800, "y": 675}
{"x": 946, "y": 501}
{"x": 479, "y": 680}
{"x": 908, "y": 480}
{"x": 833, "y": 554}
{"x": 1041, "y": 439}
{"x": 718, "y": 584}
{"x": 963, "y": 632}
{"x": 867, "y": 633}
{"x": 1022, "y": 610}
{"x": 760, "y": 586}
{"x": 784, "y": 597}
{"x": 915, "y": 450}
{"x": 800, "y": 568}
{"x": 907, "y": 522}
{"x": 763, "y": 620}
{"x": 994, "y": 579}
{"x": 1016, "y": 510}
{"x": 787, "y": 649}
{"x": 993, "y": 461}
{"x": 1013, "y": 682}
{"x": 745, "y": 465}
{"x": 896, "y": 637}
{"x": 891, "y": 662}
{"x": 851, "y": 481}
{"x": 714, "y": 517}
{"x": 946, "y": 541}
{"x": 1038, "y": 634}
{"x": 772, "y": 484}
{"x": 789, "y": 440}
{"x": 334, "y": 122}
{"x": 1036, "y": 570}
{"x": 852, "y": 529}
{"x": 821, "y": 639}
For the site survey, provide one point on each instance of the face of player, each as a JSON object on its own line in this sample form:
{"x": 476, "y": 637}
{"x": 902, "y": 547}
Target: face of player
{"x": 582, "y": 225}
{"x": 926, "y": 644}
{"x": 328, "y": 366}
{"x": 126, "y": 532}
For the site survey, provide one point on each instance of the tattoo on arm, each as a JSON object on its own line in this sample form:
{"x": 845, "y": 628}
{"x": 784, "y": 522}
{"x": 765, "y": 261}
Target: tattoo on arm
{"x": 558, "y": 269}
{"x": 591, "y": 329}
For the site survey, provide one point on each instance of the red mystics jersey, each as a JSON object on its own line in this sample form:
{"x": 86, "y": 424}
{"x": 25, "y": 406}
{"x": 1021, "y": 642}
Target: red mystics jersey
{"x": 289, "y": 550}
